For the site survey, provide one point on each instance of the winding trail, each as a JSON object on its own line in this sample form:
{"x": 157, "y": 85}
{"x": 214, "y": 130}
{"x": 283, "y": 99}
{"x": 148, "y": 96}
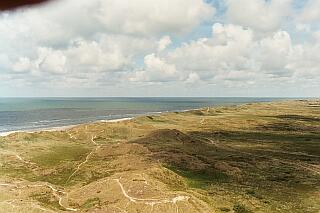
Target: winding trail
{"x": 59, "y": 194}
{"x": 152, "y": 201}
{"x": 86, "y": 159}
{"x": 71, "y": 136}
{"x": 92, "y": 139}
{"x": 202, "y": 121}
{"x": 17, "y": 156}
{"x": 56, "y": 192}
{"x": 24, "y": 161}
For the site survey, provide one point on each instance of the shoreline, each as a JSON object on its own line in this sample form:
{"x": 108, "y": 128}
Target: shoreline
{"x": 61, "y": 128}
{"x": 49, "y": 129}
{"x": 178, "y": 154}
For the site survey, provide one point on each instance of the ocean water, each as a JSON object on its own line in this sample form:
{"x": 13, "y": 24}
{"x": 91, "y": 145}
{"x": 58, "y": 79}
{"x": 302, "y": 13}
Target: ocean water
{"x": 40, "y": 113}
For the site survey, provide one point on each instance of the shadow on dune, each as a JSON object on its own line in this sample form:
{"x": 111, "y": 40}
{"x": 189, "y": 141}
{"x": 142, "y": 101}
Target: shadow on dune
{"x": 238, "y": 160}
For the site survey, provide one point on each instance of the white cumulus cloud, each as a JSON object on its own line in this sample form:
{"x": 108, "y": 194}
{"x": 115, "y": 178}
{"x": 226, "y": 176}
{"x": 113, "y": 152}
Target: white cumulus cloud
{"x": 153, "y": 16}
{"x": 156, "y": 70}
{"x": 164, "y": 42}
{"x": 260, "y": 15}
{"x": 105, "y": 43}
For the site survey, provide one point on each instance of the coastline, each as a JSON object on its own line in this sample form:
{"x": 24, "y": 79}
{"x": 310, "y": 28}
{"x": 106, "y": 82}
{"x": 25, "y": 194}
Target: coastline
{"x": 49, "y": 129}
{"x": 168, "y": 158}
{"x": 61, "y": 128}
{"x": 66, "y": 127}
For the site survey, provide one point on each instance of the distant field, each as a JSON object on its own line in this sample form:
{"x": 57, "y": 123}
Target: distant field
{"x": 258, "y": 157}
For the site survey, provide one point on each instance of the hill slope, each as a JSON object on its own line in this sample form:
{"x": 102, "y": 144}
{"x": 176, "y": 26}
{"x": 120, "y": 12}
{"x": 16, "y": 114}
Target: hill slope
{"x": 261, "y": 157}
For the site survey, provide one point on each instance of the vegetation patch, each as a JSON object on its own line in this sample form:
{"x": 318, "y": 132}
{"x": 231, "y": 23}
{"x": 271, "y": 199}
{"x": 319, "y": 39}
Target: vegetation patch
{"x": 56, "y": 155}
{"x": 92, "y": 202}
{"x": 216, "y": 161}
{"x": 240, "y": 208}
{"x": 202, "y": 178}
{"x": 13, "y": 171}
{"x": 47, "y": 199}
{"x": 196, "y": 112}
{"x": 224, "y": 209}
{"x": 170, "y": 178}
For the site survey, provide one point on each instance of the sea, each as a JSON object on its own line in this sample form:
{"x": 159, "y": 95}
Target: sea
{"x": 27, "y": 114}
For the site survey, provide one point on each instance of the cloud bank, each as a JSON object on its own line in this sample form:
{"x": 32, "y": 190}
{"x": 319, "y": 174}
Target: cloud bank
{"x": 110, "y": 48}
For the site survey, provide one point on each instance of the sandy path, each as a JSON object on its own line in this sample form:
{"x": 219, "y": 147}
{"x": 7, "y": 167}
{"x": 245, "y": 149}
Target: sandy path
{"x": 56, "y": 192}
{"x": 24, "y": 161}
{"x": 152, "y": 201}
{"x": 86, "y": 159}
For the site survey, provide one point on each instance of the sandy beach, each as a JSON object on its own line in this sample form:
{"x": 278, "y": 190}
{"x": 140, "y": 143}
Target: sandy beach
{"x": 61, "y": 128}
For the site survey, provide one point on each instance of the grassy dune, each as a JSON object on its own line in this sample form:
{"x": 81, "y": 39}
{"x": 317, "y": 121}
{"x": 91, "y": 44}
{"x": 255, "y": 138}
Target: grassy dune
{"x": 260, "y": 157}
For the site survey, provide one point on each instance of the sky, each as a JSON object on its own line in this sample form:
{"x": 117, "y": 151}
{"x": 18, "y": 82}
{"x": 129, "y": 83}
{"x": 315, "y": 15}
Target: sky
{"x": 251, "y": 48}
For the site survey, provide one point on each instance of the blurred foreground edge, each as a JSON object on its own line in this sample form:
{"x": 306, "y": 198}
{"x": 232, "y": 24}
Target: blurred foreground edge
{"x": 13, "y": 4}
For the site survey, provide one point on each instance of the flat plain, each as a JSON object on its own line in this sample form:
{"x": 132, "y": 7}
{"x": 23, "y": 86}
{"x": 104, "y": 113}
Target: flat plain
{"x": 258, "y": 157}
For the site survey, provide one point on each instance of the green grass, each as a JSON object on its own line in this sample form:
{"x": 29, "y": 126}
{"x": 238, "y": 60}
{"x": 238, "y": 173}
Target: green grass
{"x": 200, "y": 179}
{"x": 92, "y": 202}
{"x": 170, "y": 178}
{"x": 242, "y": 159}
{"x": 14, "y": 171}
{"x": 240, "y": 208}
{"x": 56, "y": 155}
{"x": 224, "y": 209}
{"x": 58, "y": 177}
{"x": 47, "y": 199}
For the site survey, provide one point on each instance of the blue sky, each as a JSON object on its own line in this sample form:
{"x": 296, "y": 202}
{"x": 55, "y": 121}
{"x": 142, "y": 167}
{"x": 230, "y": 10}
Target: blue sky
{"x": 162, "y": 48}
